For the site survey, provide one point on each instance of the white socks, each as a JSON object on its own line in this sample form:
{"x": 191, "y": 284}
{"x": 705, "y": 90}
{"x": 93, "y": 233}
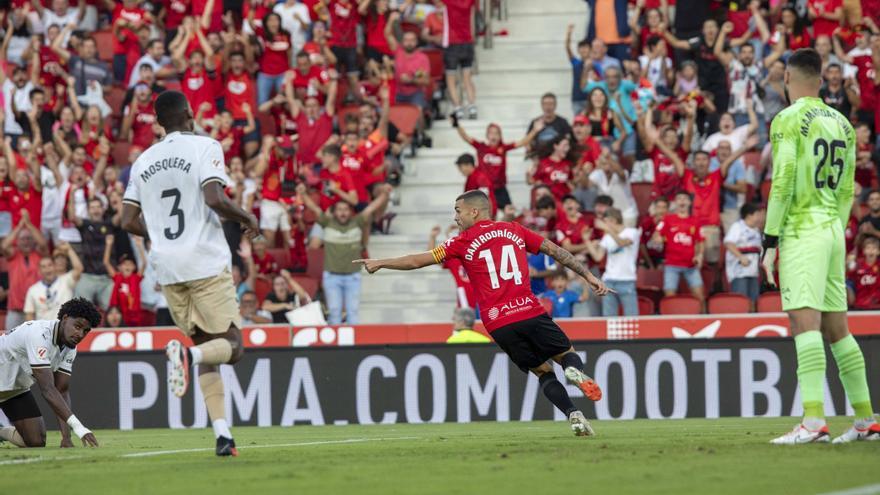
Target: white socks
{"x": 196, "y": 354}
{"x": 221, "y": 428}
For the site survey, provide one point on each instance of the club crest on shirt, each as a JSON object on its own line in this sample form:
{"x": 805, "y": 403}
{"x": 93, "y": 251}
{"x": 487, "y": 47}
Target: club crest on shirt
{"x": 493, "y": 313}
{"x": 41, "y": 352}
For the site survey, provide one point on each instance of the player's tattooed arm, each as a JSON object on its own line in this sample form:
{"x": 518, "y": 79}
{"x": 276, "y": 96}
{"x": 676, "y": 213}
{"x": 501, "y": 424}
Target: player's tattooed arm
{"x": 566, "y": 259}
{"x": 408, "y": 262}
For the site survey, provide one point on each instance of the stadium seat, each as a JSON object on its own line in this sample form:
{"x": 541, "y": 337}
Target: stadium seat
{"x": 680, "y": 305}
{"x": 316, "y": 264}
{"x": 646, "y": 306}
{"x": 647, "y": 278}
{"x": 309, "y": 285}
{"x": 410, "y": 27}
{"x": 769, "y": 302}
{"x": 120, "y": 153}
{"x": 642, "y": 194}
{"x": 765, "y": 192}
{"x": 405, "y": 117}
{"x": 282, "y": 257}
{"x": 262, "y": 288}
{"x": 148, "y": 318}
{"x": 114, "y": 98}
{"x": 267, "y": 123}
{"x": 752, "y": 159}
{"x": 435, "y": 58}
{"x": 729, "y": 302}
{"x": 104, "y": 41}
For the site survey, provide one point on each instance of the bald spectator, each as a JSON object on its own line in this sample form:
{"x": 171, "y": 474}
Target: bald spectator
{"x": 463, "y": 328}
{"x": 23, "y": 249}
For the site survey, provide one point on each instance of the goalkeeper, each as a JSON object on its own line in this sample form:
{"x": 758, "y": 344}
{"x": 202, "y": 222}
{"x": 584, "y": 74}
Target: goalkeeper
{"x": 814, "y": 156}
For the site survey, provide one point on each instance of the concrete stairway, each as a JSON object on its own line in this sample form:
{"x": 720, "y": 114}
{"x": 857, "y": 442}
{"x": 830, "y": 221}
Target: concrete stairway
{"x": 512, "y": 77}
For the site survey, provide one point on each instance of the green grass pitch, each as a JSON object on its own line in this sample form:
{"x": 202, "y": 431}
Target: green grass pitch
{"x": 672, "y": 456}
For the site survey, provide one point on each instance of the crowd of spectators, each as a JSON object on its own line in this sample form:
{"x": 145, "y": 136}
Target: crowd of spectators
{"x": 302, "y": 95}
{"x": 660, "y": 179}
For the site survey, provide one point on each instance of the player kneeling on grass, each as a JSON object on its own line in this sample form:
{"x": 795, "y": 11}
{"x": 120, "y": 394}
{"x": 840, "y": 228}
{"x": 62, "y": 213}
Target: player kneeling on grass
{"x": 494, "y": 255}
{"x": 178, "y": 184}
{"x": 43, "y": 351}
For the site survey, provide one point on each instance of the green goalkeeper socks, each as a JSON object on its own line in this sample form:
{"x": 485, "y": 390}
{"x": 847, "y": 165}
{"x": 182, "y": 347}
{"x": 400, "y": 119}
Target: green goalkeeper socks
{"x": 851, "y": 364}
{"x": 811, "y": 372}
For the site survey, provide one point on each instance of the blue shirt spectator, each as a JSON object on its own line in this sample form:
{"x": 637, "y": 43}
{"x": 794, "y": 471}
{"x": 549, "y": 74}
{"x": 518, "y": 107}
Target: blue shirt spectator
{"x": 622, "y": 89}
{"x": 735, "y": 173}
{"x": 541, "y": 263}
{"x": 563, "y": 303}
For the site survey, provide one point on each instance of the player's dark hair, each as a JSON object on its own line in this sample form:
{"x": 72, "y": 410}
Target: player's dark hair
{"x": 807, "y": 61}
{"x": 80, "y": 308}
{"x": 604, "y": 199}
{"x": 171, "y": 110}
{"x": 465, "y": 159}
{"x": 545, "y": 203}
{"x": 748, "y": 209}
{"x": 475, "y": 196}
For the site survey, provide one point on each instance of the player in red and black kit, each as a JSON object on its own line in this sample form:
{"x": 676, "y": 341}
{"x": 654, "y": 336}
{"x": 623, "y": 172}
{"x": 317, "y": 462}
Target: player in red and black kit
{"x": 494, "y": 255}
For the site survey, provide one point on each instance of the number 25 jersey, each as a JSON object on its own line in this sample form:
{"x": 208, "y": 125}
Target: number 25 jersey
{"x": 814, "y": 162}
{"x": 495, "y": 257}
{"x": 166, "y": 184}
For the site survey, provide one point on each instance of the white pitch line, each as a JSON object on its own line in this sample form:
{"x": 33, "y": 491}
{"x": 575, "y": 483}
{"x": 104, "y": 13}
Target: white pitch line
{"x": 859, "y": 490}
{"x": 270, "y": 446}
{"x": 32, "y": 460}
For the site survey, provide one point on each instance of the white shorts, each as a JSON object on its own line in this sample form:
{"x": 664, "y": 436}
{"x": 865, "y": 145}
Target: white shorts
{"x": 274, "y": 216}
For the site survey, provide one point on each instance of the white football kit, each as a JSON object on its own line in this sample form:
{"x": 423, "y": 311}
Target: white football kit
{"x": 166, "y": 184}
{"x": 30, "y": 346}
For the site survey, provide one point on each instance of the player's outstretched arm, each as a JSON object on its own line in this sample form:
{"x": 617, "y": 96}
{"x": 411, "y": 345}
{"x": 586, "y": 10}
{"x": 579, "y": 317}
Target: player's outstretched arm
{"x": 46, "y": 381}
{"x": 408, "y": 262}
{"x": 566, "y": 259}
{"x": 217, "y": 200}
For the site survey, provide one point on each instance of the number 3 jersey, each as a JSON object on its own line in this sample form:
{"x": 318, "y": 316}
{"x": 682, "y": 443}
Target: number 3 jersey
{"x": 495, "y": 257}
{"x": 814, "y": 162}
{"x": 166, "y": 184}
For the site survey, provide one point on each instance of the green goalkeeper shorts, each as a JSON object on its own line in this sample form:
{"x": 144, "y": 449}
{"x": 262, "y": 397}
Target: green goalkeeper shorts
{"x": 812, "y": 268}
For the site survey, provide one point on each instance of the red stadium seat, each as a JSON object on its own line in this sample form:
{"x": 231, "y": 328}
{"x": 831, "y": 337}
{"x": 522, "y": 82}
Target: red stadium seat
{"x": 262, "y": 288}
{"x": 752, "y": 159}
{"x": 104, "y": 41}
{"x": 282, "y": 257}
{"x": 680, "y": 305}
{"x": 646, "y": 306}
{"x": 411, "y": 27}
{"x": 728, "y": 302}
{"x": 769, "y": 302}
{"x": 765, "y": 192}
{"x": 267, "y": 124}
{"x": 647, "y": 278}
{"x": 316, "y": 264}
{"x": 120, "y": 153}
{"x": 309, "y": 285}
{"x": 405, "y": 117}
{"x": 114, "y": 98}
{"x": 642, "y": 194}
{"x": 435, "y": 57}
{"x": 148, "y": 318}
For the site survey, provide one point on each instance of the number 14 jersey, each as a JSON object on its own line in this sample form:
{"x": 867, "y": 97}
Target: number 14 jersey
{"x": 495, "y": 257}
{"x": 814, "y": 162}
{"x": 166, "y": 184}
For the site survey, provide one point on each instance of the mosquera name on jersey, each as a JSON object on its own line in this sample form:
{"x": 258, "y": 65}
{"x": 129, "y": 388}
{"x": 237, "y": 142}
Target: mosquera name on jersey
{"x": 813, "y": 168}
{"x": 27, "y": 347}
{"x": 495, "y": 257}
{"x": 166, "y": 184}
